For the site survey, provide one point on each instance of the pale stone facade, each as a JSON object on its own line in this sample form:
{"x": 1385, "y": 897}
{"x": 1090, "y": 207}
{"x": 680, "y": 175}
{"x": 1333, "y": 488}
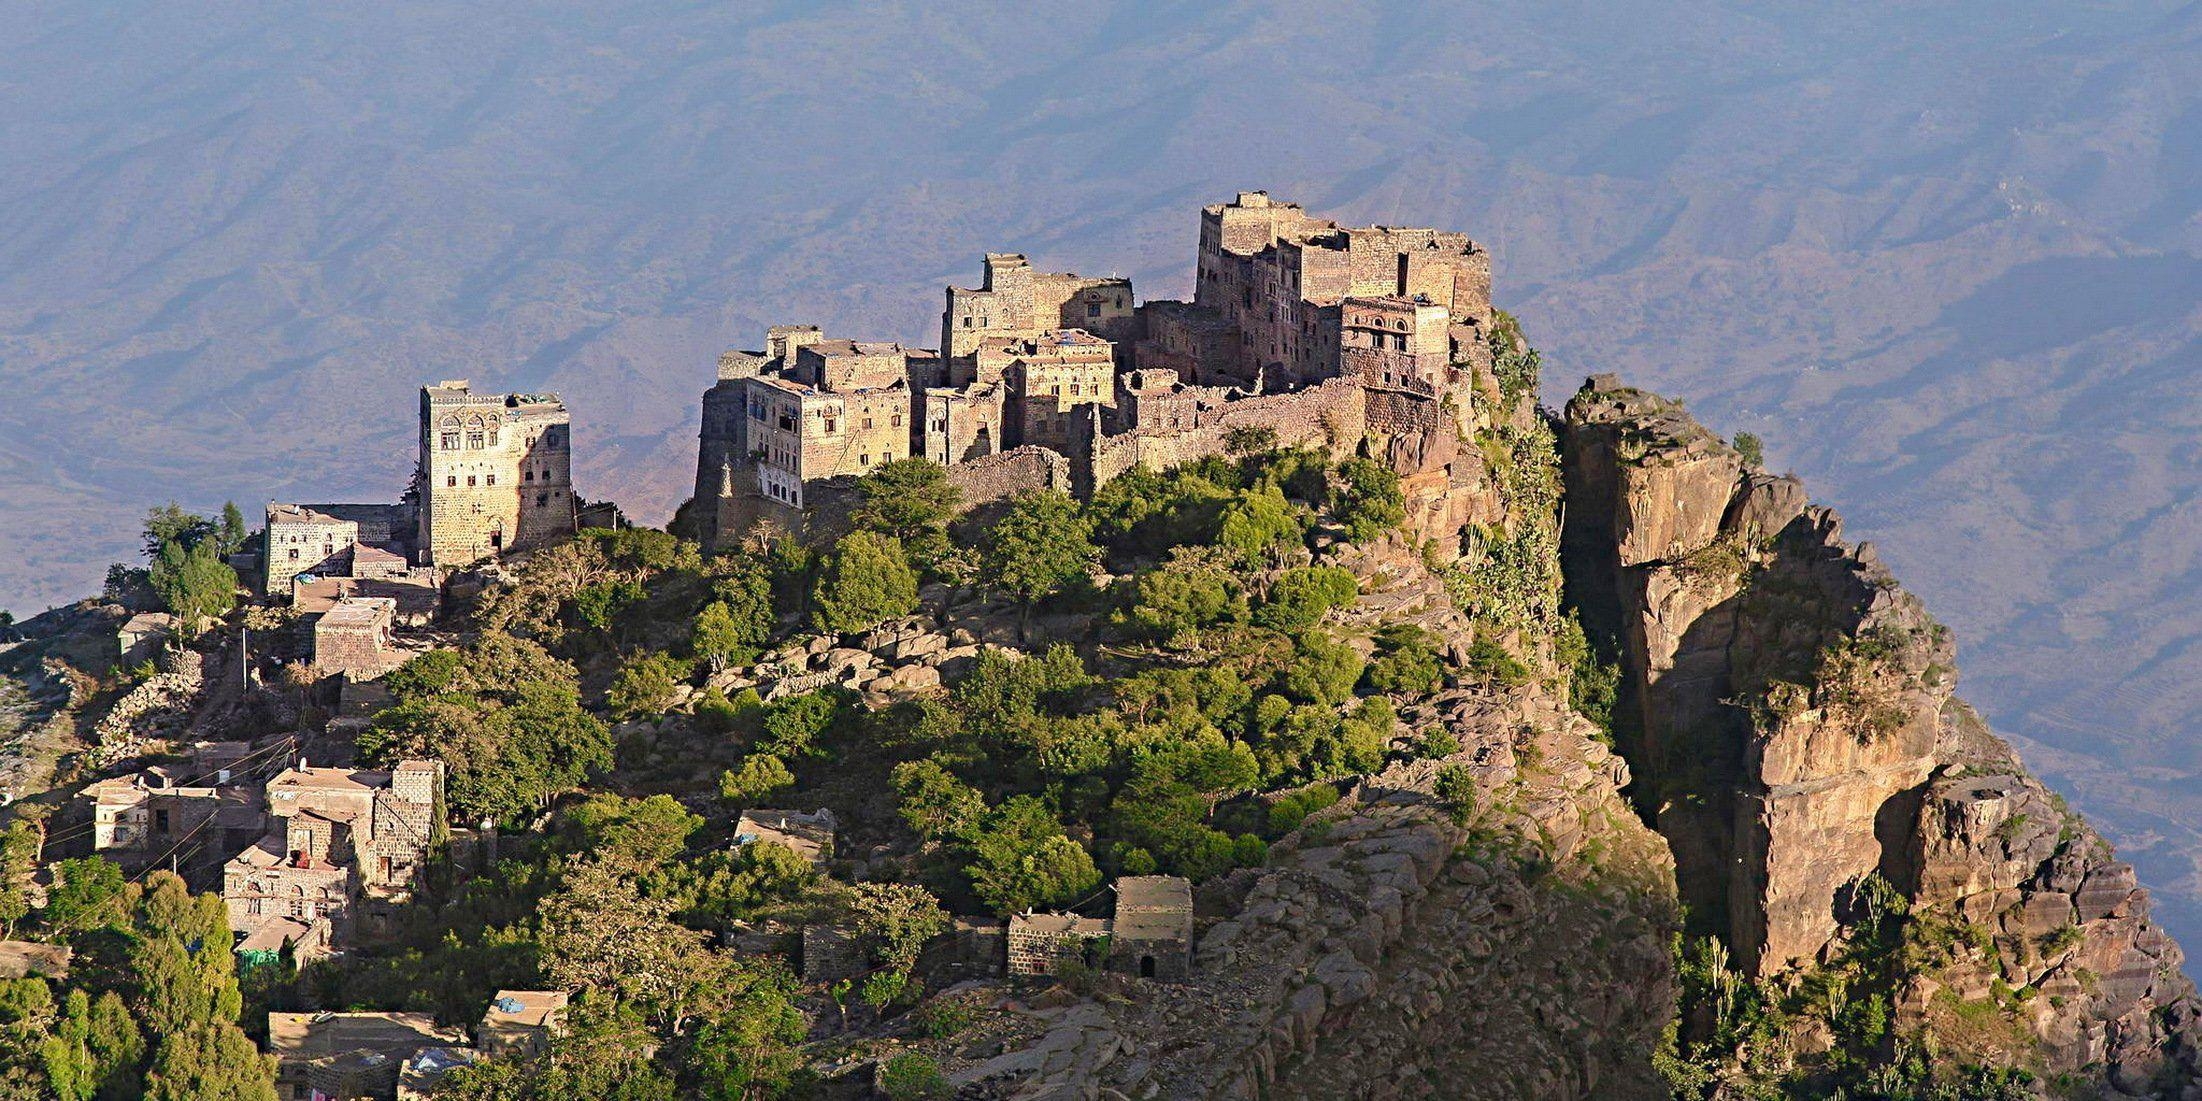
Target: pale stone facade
{"x": 300, "y": 540}
{"x": 495, "y": 473}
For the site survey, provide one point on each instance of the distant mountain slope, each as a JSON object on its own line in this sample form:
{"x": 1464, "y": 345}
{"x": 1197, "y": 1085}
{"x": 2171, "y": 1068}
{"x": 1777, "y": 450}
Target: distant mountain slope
{"x": 1944, "y": 257}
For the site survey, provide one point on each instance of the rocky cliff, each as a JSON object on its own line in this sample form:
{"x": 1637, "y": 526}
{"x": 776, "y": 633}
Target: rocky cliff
{"x": 1790, "y": 712}
{"x": 1493, "y": 927}
{"x": 1904, "y": 907}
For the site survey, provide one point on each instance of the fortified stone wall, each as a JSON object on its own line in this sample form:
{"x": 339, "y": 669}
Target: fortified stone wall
{"x": 1331, "y": 416}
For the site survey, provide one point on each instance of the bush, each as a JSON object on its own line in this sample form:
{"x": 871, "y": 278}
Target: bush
{"x": 1369, "y": 502}
{"x": 1456, "y": 788}
{"x": 646, "y": 685}
{"x": 1491, "y": 662}
{"x": 1751, "y": 448}
{"x": 1286, "y": 814}
{"x": 1300, "y": 598}
{"x": 912, "y": 1076}
{"x": 1407, "y": 661}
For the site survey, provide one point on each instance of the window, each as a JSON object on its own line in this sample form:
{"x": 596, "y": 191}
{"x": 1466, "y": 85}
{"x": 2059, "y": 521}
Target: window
{"x": 294, "y": 554}
{"x": 449, "y": 440}
{"x": 527, "y": 475}
{"x": 967, "y": 321}
{"x": 477, "y": 509}
{"x": 832, "y": 426}
{"x": 897, "y": 421}
{"x": 1093, "y": 309}
{"x": 474, "y": 441}
{"x": 542, "y": 498}
{"x": 867, "y": 422}
{"x": 451, "y": 480}
{"x": 160, "y": 821}
{"x": 492, "y": 479}
{"x": 470, "y": 481}
{"x": 864, "y": 459}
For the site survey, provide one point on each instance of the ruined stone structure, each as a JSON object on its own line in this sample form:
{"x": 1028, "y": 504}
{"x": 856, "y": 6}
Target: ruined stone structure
{"x": 1362, "y": 340}
{"x": 495, "y": 473}
{"x": 1149, "y": 935}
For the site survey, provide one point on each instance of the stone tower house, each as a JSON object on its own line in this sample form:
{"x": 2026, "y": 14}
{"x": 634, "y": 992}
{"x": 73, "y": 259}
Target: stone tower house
{"x": 496, "y": 473}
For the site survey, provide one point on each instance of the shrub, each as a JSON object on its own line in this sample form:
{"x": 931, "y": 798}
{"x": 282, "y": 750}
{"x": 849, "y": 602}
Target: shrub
{"x": 1491, "y": 662}
{"x": 1369, "y": 502}
{"x": 912, "y": 1076}
{"x": 1300, "y": 598}
{"x": 646, "y": 685}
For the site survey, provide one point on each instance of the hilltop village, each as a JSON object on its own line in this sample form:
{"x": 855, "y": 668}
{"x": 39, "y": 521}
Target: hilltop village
{"x": 1119, "y": 698}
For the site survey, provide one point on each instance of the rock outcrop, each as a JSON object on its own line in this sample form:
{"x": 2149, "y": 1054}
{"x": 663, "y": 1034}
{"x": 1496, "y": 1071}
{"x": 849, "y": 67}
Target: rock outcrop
{"x": 1518, "y": 948}
{"x": 1789, "y": 709}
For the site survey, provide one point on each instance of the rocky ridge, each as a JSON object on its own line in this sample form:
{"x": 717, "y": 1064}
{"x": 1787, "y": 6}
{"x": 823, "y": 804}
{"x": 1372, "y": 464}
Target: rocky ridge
{"x": 1791, "y": 711}
{"x": 1517, "y": 948}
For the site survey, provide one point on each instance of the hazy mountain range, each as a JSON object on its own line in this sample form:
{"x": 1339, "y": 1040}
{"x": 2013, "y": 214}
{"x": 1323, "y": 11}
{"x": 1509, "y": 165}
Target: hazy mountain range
{"x": 1945, "y": 258}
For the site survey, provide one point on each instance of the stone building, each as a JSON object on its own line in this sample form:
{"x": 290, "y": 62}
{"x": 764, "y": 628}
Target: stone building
{"x": 169, "y": 812}
{"x": 299, "y": 540}
{"x": 804, "y": 410}
{"x": 521, "y": 1021}
{"x": 1349, "y": 340}
{"x": 349, "y": 846}
{"x": 1149, "y": 935}
{"x": 354, "y": 638}
{"x": 349, "y": 1055}
{"x": 1280, "y": 277}
{"x": 495, "y": 473}
{"x": 1013, "y": 302}
{"x": 1152, "y": 933}
{"x": 143, "y": 636}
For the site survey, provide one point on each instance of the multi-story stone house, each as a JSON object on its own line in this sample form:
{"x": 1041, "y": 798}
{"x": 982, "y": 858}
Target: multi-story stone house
{"x": 1301, "y": 330}
{"x": 299, "y": 540}
{"x": 495, "y": 474}
{"x": 348, "y": 848}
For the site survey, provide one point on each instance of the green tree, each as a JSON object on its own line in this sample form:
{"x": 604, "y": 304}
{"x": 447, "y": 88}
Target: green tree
{"x": 1370, "y": 501}
{"x": 646, "y": 685}
{"x": 894, "y": 920}
{"x": 1300, "y": 598}
{"x": 1021, "y": 858}
{"x": 760, "y": 777}
{"x": 1041, "y": 546}
{"x": 1260, "y": 527}
{"x": 193, "y": 582}
{"x": 910, "y": 501}
{"x": 210, "y": 1061}
{"x": 934, "y": 802}
{"x": 1173, "y": 604}
{"x": 866, "y": 581}
{"x": 169, "y": 525}
{"x": 18, "y": 862}
{"x": 87, "y": 894}
{"x": 232, "y": 532}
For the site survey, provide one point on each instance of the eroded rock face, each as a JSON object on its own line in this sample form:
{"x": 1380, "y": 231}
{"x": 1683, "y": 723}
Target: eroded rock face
{"x": 1796, "y": 734}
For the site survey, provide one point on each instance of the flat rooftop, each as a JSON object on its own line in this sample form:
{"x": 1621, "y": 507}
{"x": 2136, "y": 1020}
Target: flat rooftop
{"x": 360, "y": 611}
